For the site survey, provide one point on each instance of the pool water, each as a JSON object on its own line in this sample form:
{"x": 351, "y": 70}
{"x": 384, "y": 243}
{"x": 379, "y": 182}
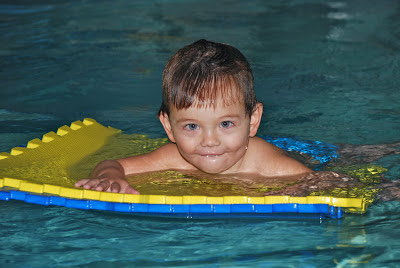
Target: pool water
{"x": 325, "y": 70}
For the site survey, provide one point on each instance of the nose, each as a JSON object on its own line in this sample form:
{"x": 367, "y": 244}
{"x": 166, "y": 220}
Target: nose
{"x": 210, "y": 139}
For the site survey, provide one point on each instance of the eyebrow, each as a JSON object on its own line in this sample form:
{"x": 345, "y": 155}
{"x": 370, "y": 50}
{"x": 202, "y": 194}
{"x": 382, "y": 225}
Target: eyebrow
{"x": 228, "y": 116}
{"x": 184, "y": 120}
{"x": 231, "y": 116}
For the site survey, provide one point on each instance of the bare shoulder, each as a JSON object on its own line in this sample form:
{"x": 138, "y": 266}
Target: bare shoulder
{"x": 166, "y": 157}
{"x": 270, "y": 160}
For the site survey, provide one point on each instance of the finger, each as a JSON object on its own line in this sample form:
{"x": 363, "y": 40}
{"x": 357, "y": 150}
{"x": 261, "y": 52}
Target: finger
{"x": 129, "y": 190}
{"x": 102, "y": 186}
{"x": 81, "y": 182}
{"x": 91, "y": 184}
{"x": 115, "y": 187}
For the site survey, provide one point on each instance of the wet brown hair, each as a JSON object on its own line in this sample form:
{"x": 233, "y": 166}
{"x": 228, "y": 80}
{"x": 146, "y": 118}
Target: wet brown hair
{"x": 201, "y": 72}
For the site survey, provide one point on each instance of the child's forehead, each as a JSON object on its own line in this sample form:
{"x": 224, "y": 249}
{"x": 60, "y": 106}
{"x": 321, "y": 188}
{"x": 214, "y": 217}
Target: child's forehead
{"x": 219, "y": 93}
{"x": 216, "y": 105}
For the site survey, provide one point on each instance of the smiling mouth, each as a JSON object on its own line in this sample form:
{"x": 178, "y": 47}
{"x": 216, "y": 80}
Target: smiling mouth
{"x": 211, "y": 155}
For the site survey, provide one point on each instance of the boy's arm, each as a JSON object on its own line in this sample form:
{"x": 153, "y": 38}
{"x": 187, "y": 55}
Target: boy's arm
{"x": 166, "y": 157}
{"x": 109, "y": 175}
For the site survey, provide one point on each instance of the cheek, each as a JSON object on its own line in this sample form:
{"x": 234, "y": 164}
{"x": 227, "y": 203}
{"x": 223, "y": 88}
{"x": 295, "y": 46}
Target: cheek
{"x": 237, "y": 145}
{"x": 185, "y": 144}
{"x": 237, "y": 141}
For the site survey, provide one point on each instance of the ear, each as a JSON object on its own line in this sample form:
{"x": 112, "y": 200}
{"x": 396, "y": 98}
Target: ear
{"x": 255, "y": 119}
{"x": 164, "y": 119}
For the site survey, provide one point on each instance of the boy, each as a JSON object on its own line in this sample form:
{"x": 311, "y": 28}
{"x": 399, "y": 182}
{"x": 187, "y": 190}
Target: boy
{"x": 211, "y": 115}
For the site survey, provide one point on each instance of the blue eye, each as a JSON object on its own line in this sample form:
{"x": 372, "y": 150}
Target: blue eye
{"x": 192, "y": 126}
{"x": 226, "y": 124}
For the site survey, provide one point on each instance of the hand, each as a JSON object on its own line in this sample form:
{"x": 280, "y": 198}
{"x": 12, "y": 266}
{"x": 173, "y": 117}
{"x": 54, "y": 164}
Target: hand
{"x": 104, "y": 184}
{"x": 107, "y": 176}
{"x": 317, "y": 181}
{"x": 390, "y": 190}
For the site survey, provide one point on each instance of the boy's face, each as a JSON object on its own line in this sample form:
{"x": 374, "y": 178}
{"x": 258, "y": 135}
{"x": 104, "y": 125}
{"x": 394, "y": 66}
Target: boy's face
{"x": 213, "y": 140}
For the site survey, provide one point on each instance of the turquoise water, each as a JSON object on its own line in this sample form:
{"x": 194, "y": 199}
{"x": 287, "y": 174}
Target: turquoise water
{"x": 325, "y": 70}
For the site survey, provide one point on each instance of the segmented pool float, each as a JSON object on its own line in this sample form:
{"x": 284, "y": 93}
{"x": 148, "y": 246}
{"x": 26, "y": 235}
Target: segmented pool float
{"x": 38, "y": 173}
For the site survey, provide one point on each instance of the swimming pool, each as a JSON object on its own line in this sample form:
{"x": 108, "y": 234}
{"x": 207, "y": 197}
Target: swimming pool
{"x": 325, "y": 71}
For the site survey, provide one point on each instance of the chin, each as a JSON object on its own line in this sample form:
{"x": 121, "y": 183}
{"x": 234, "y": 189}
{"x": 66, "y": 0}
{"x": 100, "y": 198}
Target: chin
{"x": 213, "y": 171}
{"x": 210, "y": 165}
